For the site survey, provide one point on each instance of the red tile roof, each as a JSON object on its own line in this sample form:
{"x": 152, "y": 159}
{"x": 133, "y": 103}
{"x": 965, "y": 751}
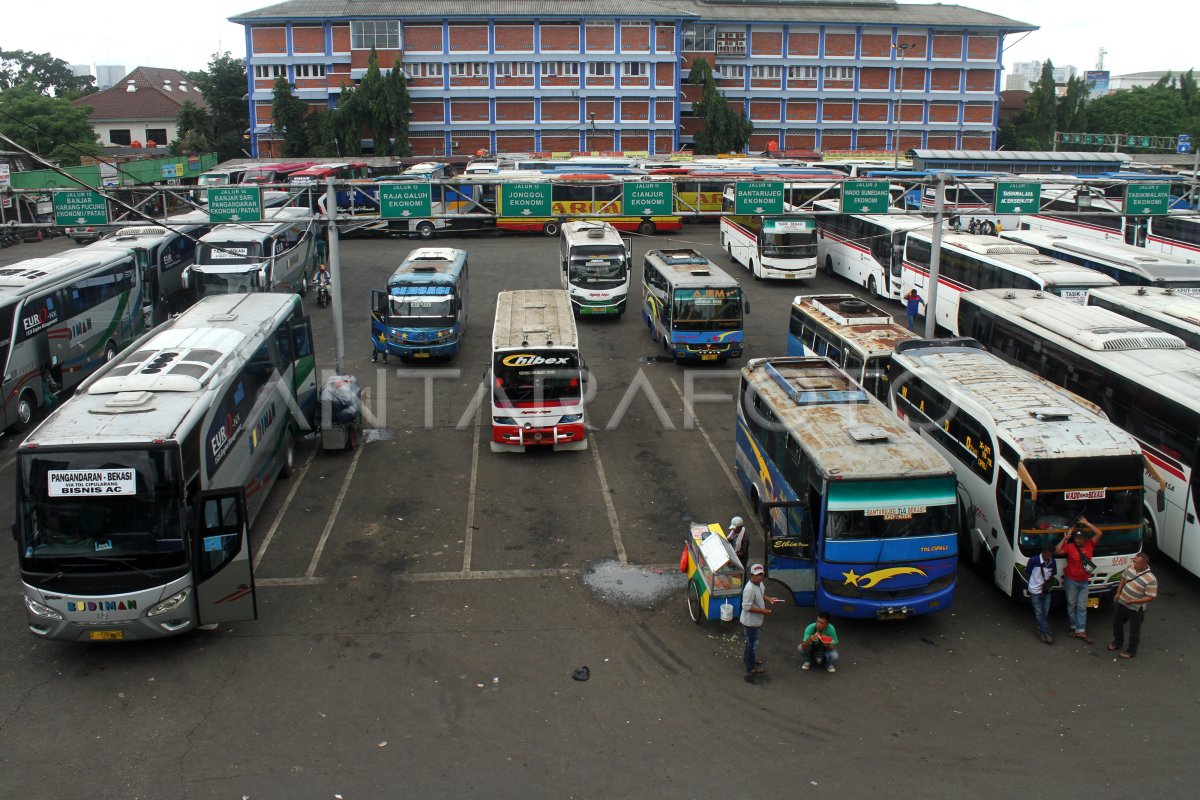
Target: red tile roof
{"x": 151, "y": 100}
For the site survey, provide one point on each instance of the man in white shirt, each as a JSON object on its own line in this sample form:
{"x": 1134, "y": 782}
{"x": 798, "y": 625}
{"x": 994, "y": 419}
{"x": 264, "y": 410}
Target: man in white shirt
{"x": 754, "y": 610}
{"x": 1040, "y": 574}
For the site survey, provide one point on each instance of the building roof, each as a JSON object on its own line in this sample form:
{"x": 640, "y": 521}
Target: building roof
{"x": 834, "y": 11}
{"x": 152, "y": 100}
{"x": 1018, "y": 155}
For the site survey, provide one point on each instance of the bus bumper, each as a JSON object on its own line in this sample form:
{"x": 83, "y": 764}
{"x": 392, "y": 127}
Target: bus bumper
{"x": 418, "y": 350}
{"x": 515, "y": 438}
{"x": 886, "y": 608}
{"x": 598, "y": 309}
{"x": 116, "y": 630}
{"x": 702, "y": 353}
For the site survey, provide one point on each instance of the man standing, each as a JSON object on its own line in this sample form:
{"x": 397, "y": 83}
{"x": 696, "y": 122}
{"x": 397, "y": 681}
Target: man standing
{"x": 1040, "y": 575}
{"x": 1137, "y": 589}
{"x": 1077, "y": 547}
{"x": 754, "y": 610}
{"x": 912, "y": 304}
{"x": 820, "y": 640}
{"x": 739, "y": 539}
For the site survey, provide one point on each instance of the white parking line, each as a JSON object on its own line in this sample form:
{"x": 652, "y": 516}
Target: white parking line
{"x": 333, "y": 514}
{"x": 266, "y": 582}
{"x": 296, "y": 481}
{"x": 469, "y": 536}
{"x": 613, "y": 523}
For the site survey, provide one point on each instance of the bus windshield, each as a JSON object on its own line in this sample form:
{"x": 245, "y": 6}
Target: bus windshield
{"x": 789, "y": 245}
{"x": 225, "y": 282}
{"x": 420, "y": 310}
{"x": 544, "y": 377}
{"x": 119, "y": 509}
{"x": 230, "y": 253}
{"x": 597, "y": 266}
{"x": 889, "y": 509}
{"x": 707, "y": 309}
{"x": 1106, "y": 490}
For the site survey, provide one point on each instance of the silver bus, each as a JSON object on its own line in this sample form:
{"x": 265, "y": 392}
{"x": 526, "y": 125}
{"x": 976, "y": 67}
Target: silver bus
{"x": 1169, "y": 310}
{"x": 273, "y": 255}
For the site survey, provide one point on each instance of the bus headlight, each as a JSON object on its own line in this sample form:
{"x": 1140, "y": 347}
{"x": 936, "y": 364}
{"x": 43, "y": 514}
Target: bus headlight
{"x": 39, "y": 610}
{"x": 570, "y": 418}
{"x": 503, "y": 421}
{"x": 170, "y": 604}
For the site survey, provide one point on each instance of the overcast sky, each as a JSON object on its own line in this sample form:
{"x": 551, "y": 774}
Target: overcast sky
{"x": 185, "y": 35}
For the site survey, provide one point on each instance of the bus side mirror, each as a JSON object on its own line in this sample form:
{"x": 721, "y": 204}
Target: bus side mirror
{"x": 746, "y": 307}
{"x": 1160, "y": 500}
{"x": 185, "y": 278}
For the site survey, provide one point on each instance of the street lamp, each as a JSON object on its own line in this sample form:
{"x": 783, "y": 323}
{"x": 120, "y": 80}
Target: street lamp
{"x": 899, "y": 48}
{"x": 589, "y": 136}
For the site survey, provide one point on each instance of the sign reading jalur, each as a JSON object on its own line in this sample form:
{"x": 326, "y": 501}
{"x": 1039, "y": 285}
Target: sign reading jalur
{"x": 1147, "y": 198}
{"x": 758, "y": 197}
{"x": 405, "y": 200}
{"x": 234, "y": 204}
{"x": 72, "y": 207}
{"x": 865, "y": 197}
{"x": 1018, "y": 197}
{"x": 525, "y": 200}
{"x": 647, "y": 198}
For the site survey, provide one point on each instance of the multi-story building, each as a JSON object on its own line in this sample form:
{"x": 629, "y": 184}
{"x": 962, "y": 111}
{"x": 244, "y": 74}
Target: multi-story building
{"x": 555, "y": 75}
{"x": 1023, "y": 74}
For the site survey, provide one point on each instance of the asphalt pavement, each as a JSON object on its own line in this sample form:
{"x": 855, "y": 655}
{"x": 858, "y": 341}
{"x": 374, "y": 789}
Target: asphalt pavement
{"x": 423, "y": 603}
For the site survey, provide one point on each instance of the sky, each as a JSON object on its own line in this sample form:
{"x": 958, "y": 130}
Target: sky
{"x": 185, "y": 35}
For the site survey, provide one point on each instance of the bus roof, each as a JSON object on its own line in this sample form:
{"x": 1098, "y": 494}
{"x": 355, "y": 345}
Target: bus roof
{"x": 896, "y": 219}
{"x": 1135, "y": 351}
{"x": 276, "y": 219}
{"x": 534, "y": 318}
{"x": 31, "y": 274}
{"x": 688, "y": 269}
{"x": 867, "y": 327}
{"x": 430, "y": 265}
{"x": 1051, "y": 270}
{"x": 1171, "y": 306}
{"x": 1038, "y": 419}
{"x": 153, "y": 387}
{"x": 848, "y": 434}
{"x": 1158, "y": 267}
{"x": 591, "y": 232}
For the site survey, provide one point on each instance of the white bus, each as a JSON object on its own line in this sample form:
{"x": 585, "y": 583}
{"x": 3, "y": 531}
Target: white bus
{"x": 770, "y": 246}
{"x": 1091, "y": 215}
{"x": 135, "y": 498}
{"x": 61, "y": 318}
{"x": 1177, "y": 233}
{"x": 854, "y": 334}
{"x": 1030, "y": 459}
{"x": 1146, "y": 381}
{"x": 989, "y": 262}
{"x": 1169, "y": 310}
{"x": 867, "y": 249}
{"x": 536, "y": 373}
{"x": 594, "y": 266}
{"x": 1128, "y": 265}
{"x": 273, "y": 255}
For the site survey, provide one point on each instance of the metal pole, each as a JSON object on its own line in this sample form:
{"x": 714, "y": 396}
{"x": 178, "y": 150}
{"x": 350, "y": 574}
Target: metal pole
{"x": 335, "y": 276}
{"x": 935, "y": 257}
{"x": 900, "y": 48}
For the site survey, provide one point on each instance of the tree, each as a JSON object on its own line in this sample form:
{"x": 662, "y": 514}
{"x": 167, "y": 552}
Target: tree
{"x": 1143, "y": 111}
{"x": 49, "y": 126}
{"x": 1072, "y": 113}
{"x": 43, "y": 73}
{"x": 224, "y": 88}
{"x": 194, "y": 127}
{"x": 725, "y": 130}
{"x": 349, "y": 120}
{"x": 398, "y": 109}
{"x": 289, "y": 113}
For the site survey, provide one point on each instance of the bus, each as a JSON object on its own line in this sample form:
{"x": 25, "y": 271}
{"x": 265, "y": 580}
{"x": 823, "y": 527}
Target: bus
{"x": 989, "y": 262}
{"x": 227, "y": 176}
{"x": 1177, "y": 233}
{"x": 536, "y": 373}
{"x": 692, "y": 307}
{"x": 852, "y": 333}
{"x": 866, "y": 249}
{"x": 578, "y": 197}
{"x": 1030, "y": 459}
{"x": 267, "y": 174}
{"x": 1170, "y": 310}
{"x": 1128, "y": 265}
{"x": 770, "y": 246}
{"x": 276, "y": 254}
{"x": 61, "y": 318}
{"x": 136, "y": 496}
{"x": 163, "y": 253}
{"x": 859, "y": 512}
{"x": 317, "y": 173}
{"x": 423, "y": 311}
{"x": 1146, "y": 381}
{"x": 594, "y": 264}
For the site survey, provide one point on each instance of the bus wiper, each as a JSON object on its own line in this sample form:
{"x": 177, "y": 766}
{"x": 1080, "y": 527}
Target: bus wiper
{"x": 126, "y": 561}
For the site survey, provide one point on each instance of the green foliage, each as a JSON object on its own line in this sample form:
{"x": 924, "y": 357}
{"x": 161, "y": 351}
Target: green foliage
{"x": 289, "y": 113}
{"x": 195, "y": 130}
{"x": 43, "y": 73}
{"x": 223, "y": 85}
{"x": 725, "y": 130}
{"x": 1148, "y": 111}
{"x": 398, "y": 109}
{"x": 49, "y": 126}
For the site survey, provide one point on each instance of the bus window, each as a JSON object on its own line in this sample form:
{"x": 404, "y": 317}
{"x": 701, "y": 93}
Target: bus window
{"x": 854, "y": 365}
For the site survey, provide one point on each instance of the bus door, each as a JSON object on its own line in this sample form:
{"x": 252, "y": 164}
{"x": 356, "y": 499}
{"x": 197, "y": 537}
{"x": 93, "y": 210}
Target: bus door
{"x": 896, "y": 271}
{"x": 304, "y": 369}
{"x": 1135, "y": 231}
{"x": 221, "y": 565}
{"x": 790, "y": 549}
{"x": 380, "y": 304}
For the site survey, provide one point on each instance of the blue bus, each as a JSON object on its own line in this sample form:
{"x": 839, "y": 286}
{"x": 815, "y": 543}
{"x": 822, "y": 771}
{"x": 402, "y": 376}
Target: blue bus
{"x": 423, "y": 311}
{"x": 859, "y": 511}
{"x": 692, "y": 307}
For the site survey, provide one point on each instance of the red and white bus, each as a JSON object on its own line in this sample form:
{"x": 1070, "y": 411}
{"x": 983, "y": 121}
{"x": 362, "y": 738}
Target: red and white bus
{"x": 273, "y": 173}
{"x": 317, "y": 173}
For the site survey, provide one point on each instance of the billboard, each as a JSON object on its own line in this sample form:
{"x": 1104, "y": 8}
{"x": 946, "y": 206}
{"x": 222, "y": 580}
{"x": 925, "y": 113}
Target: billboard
{"x": 1097, "y": 82}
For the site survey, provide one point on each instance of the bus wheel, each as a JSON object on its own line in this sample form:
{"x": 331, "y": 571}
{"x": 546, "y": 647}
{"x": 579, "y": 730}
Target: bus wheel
{"x": 110, "y": 352}
{"x": 425, "y": 230}
{"x": 1149, "y": 535}
{"x": 289, "y": 456}
{"x": 693, "y": 603}
{"x": 550, "y": 228}
{"x": 647, "y": 228}
{"x": 754, "y": 271}
{"x": 873, "y": 287}
{"x": 26, "y": 408}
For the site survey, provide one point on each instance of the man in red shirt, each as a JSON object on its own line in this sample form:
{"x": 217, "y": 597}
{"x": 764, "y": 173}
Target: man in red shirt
{"x": 1077, "y": 547}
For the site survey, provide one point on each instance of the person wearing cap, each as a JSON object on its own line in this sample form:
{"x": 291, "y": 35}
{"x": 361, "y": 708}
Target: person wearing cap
{"x": 754, "y": 611}
{"x": 1077, "y": 547}
{"x": 739, "y": 539}
{"x": 820, "y": 642}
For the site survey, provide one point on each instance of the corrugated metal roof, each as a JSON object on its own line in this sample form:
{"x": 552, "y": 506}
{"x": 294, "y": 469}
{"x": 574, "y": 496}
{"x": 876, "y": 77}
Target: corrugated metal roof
{"x": 1017, "y": 155}
{"x": 780, "y": 11}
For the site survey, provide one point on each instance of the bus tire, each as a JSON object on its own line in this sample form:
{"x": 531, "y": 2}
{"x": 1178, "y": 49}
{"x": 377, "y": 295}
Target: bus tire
{"x": 647, "y": 228}
{"x": 551, "y": 228}
{"x": 110, "y": 351}
{"x": 693, "y": 604}
{"x": 26, "y": 410}
{"x": 872, "y": 286}
{"x": 425, "y": 230}
{"x": 289, "y": 456}
{"x": 304, "y": 285}
{"x": 1149, "y": 534}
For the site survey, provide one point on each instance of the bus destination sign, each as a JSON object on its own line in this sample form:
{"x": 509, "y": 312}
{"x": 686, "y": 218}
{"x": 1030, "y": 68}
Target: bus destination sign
{"x": 234, "y": 204}
{"x": 648, "y": 198}
{"x": 1018, "y": 197}
{"x": 758, "y": 197}
{"x": 74, "y": 207}
{"x": 405, "y": 200}
{"x": 525, "y": 200}
{"x": 866, "y": 197}
{"x": 1147, "y": 198}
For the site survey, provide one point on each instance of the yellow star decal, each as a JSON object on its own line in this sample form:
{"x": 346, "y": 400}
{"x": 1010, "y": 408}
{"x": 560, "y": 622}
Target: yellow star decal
{"x": 382, "y": 337}
{"x": 851, "y": 577}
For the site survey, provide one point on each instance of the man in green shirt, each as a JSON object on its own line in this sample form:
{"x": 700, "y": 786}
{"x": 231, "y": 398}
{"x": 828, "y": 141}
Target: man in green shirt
{"x": 820, "y": 644}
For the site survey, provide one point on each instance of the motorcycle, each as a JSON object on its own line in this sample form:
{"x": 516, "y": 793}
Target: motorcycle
{"x": 322, "y": 294}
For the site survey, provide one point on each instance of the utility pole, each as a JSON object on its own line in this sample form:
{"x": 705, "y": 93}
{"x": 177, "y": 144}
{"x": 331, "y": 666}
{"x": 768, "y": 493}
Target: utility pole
{"x": 335, "y": 276}
{"x": 935, "y": 257}
{"x": 899, "y": 48}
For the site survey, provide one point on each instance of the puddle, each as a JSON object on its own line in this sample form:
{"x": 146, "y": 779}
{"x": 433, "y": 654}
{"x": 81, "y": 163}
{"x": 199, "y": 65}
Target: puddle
{"x": 630, "y": 584}
{"x": 377, "y": 435}
{"x": 656, "y": 360}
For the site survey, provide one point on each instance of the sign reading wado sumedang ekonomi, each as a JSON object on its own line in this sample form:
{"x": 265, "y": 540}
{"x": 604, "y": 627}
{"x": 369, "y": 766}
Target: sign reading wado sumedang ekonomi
{"x": 866, "y": 197}
{"x": 234, "y": 204}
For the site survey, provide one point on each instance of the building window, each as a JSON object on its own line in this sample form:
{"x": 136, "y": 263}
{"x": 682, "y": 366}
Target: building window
{"x": 732, "y": 72}
{"x": 699, "y": 38}
{"x": 519, "y": 69}
{"x": 310, "y": 70}
{"x": 766, "y": 71}
{"x": 839, "y": 74}
{"x": 804, "y": 73}
{"x": 119, "y": 136}
{"x": 549, "y": 69}
{"x": 731, "y": 42}
{"x": 468, "y": 69}
{"x": 156, "y": 135}
{"x": 270, "y": 70}
{"x": 634, "y": 69}
{"x": 423, "y": 69}
{"x": 380, "y": 34}
{"x": 599, "y": 69}
{"x": 568, "y": 69}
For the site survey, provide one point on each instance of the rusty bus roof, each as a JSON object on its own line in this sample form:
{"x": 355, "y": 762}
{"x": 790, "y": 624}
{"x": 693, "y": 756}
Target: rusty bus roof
{"x": 864, "y": 326}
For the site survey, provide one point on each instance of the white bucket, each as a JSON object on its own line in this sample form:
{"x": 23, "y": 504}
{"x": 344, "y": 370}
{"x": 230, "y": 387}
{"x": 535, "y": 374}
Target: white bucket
{"x": 726, "y": 611}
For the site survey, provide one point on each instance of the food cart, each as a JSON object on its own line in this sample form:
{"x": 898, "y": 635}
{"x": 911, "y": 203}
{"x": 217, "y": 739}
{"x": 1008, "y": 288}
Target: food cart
{"x": 715, "y": 575}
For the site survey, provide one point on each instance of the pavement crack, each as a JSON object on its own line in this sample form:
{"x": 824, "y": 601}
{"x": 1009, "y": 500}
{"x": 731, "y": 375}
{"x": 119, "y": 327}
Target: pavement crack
{"x": 21, "y": 703}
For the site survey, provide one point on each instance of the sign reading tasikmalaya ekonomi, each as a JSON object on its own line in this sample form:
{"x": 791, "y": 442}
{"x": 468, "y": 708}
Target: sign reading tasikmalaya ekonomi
{"x": 1147, "y": 198}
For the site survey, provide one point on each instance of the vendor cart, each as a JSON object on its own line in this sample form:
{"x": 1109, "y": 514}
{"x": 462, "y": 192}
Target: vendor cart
{"x": 340, "y": 413}
{"x": 715, "y": 575}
